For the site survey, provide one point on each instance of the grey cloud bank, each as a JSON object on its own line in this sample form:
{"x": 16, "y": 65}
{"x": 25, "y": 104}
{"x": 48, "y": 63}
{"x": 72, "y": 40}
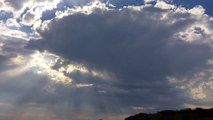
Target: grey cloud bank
{"x": 120, "y": 61}
{"x": 140, "y": 48}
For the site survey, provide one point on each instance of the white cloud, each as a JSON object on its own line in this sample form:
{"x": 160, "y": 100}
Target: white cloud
{"x": 148, "y": 1}
{"x": 12, "y": 22}
{"x": 198, "y": 10}
{"x": 28, "y": 12}
{"x": 36, "y": 9}
{"x": 84, "y": 85}
{"x": 87, "y": 9}
{"x": 11, "y": 33}
{"x": 163, "y": 5}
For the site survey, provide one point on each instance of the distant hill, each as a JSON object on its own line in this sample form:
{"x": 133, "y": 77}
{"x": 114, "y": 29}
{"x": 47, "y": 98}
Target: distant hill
{"x": 186, "y": 114}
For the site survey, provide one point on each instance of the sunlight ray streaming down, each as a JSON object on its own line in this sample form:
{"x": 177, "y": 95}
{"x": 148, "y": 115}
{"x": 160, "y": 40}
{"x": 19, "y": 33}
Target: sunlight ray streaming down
{"x": 103, "y": 59}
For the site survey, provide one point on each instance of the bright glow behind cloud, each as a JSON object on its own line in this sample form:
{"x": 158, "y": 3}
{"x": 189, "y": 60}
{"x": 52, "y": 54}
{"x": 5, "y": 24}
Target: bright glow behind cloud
{"x": 42, "y": 63}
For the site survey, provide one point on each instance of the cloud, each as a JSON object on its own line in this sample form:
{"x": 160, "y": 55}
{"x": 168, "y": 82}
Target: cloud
{"x": 26, "y": 16}
{"x": 15, "y": 4}
{"x": 140, "y": 46}
{"x": 92, "y": 25}
{"x": 77, "y": 2}
{"x": 4, "y": 62}
{"x": 30, "y": 12}
{"x": 10, "y": 49}
{"x": 7, "y": 32}
{"x": 148, "y": 1}
{"x": 116, "y": 60}
{"x": 26, "y": 13}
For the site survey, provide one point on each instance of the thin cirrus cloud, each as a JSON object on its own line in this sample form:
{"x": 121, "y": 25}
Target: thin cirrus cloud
{"x": 95, "y": 60}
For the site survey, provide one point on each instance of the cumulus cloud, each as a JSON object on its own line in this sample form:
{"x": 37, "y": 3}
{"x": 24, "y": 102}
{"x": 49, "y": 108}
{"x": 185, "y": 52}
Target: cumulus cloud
{"x": 30, "y": 12}
{"x": 26, "y": 13}
{"x": 22, "y": 14}
{"x": 92, "y": 39}
{"x": 96, "y": 59}
{"x": 140, "y": 46}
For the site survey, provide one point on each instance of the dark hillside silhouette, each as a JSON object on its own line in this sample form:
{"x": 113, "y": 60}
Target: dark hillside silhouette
{"x": 185, "y": 114}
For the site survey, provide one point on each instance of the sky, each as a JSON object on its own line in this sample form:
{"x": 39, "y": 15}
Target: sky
{"x": 104, "y": 59}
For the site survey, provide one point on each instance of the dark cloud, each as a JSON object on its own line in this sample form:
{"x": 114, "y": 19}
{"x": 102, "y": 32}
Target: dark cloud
{"x": 18, "y": 87}
{"x": 4, "y": 62}
{"x": 8, "y": 50}
{"x": 124, "y": 42}
{"x": 13, "y": 45}
{"x": 137, "y": 47}
{"x": 103, "y": 98}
